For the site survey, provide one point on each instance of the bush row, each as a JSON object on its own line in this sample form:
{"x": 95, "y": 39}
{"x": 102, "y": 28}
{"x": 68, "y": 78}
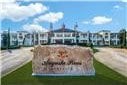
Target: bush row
{"x": 10, "y": 47}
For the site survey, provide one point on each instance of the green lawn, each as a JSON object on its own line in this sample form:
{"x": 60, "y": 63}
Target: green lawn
{"x": 104, "y": 76}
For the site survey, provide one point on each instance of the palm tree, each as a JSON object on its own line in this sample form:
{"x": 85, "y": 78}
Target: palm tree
{"x": 4, "y": 40}
{"x": 90, "y": 41}
{"x": 122, "y": 38}
{"x": 8, "y": 38}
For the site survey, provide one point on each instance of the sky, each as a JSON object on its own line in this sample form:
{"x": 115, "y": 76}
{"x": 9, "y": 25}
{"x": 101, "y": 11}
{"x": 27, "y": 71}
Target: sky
{"x": 89, "y": 15}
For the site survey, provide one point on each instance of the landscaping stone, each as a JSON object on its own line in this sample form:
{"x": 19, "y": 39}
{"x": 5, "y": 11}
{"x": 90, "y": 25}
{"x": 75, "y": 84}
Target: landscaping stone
{"x": 58, "y": 60}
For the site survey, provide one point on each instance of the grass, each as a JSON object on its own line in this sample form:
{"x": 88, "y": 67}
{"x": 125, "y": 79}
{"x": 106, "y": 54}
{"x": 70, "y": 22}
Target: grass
{"x": 95, "y": 50}
{"x": 104, "y": 76}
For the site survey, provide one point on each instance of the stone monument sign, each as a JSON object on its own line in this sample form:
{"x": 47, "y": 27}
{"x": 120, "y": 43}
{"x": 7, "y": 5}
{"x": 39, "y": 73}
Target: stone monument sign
{"x": 60, "y": 60}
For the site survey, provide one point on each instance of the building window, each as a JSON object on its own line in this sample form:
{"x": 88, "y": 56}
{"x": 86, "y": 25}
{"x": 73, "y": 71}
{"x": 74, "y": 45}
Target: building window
{"x": 42, "y": 35}
{"x": 99, "y": 36}
{"x": 27, "y": 36}
{"x": 84, "y": 35}
{"x": 42, "y": 41}
{"x": 113, "y": 36}
{"x": 94, "y": 36}
{"x": 52, "y": 35}
{"x": 106, "y": 37}
{"x": 20, "y": 37}
{"x": 106, "y": 34}
{"x": 59, "y": 35}
{"x": 67, "y": 35}
{"x": 20, "y": 33}
{"x": 14, "y": 36}
{"x": 73, "y": 35}
{"x": 83, "y": 41}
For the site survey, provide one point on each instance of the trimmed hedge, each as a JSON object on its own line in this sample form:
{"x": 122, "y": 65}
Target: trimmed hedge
{"x": 11, "y": 47}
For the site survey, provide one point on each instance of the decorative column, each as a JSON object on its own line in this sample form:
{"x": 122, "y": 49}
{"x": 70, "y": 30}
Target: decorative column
{"x": 38, "y": 38}
{"x": 63, "y": 38}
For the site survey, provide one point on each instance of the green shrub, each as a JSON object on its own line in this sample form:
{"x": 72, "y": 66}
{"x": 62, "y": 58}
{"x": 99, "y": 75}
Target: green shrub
{"x": 10, "y": 47}
{"x": 95, "y": 50}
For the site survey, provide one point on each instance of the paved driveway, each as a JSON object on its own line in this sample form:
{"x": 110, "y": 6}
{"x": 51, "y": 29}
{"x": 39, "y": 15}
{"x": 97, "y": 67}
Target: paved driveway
{"x": 10, "y": 61}
{"x": 114, "y": 58}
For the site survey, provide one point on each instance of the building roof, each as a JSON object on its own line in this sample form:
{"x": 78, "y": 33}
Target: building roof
{"x": 63, "y": 30}
{"x": 22, "y": 31}
{"x": 104, "y": 31}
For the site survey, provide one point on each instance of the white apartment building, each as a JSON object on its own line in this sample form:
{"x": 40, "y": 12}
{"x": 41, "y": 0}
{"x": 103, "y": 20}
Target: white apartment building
{"x": 21, "y": 35}
{"x": 13, "y": 38}
{"x": 126, "y": 38}
{"x": 84, "y": 37}
{"x": 42, "y": 38}
{"x": 64, "y": 35}
{"x": 28, "y": 41}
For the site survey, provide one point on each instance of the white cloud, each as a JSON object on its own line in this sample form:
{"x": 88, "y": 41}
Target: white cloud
{"x": 116, "y": 7}
{"x": 34, "y": 28}
{"x": 101, "y": 20}
{"x": 7, "y": 1}
{"x": 50, "y": 17}
{"x": 86, "y": 22}
{"x": 17, "y": 12}
{"x": 98, "y": 20}
{"x": 124, "y": 0}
